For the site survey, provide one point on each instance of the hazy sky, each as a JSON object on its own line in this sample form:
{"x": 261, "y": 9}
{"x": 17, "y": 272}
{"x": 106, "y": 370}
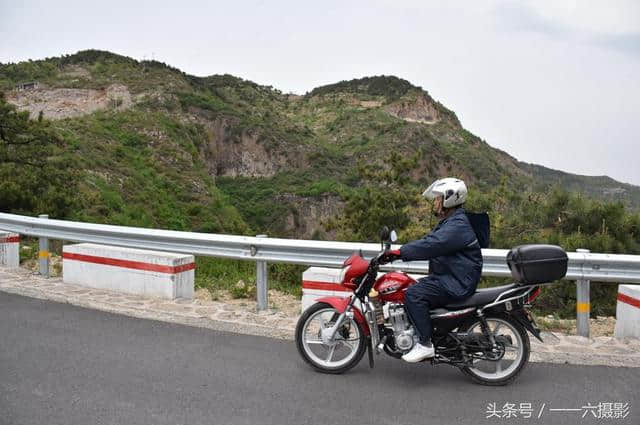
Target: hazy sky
{"x": 551, "y": 82}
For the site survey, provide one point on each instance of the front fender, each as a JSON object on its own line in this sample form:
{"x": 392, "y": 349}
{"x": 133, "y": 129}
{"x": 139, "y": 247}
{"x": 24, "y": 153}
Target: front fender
{"x": 340, "y": 304}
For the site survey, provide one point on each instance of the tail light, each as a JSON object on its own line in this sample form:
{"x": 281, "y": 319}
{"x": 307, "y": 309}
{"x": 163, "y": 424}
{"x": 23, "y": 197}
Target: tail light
{"x": 534, "y": 295}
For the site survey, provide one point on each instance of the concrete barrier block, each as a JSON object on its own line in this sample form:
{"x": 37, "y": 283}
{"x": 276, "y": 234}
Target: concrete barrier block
{"x": 628, "y": 312}
{"x": 133, "y": 271}
{"x": 318, "y": 282}
{"x": 9, "y": 250}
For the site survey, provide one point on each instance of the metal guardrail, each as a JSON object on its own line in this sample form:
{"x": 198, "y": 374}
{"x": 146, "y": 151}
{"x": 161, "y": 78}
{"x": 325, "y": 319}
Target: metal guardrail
{"x": 583, "y": 266}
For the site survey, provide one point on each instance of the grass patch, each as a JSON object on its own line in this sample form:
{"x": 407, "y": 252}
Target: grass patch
{"x": 214, "y": 274}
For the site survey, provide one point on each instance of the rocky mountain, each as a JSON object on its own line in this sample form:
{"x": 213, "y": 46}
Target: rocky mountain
{"x": 160, "y": 147}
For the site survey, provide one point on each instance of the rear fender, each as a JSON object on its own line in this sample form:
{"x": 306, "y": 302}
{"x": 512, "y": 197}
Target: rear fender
{"x": 524, "y": 317}
{"x": 340, "y": 304}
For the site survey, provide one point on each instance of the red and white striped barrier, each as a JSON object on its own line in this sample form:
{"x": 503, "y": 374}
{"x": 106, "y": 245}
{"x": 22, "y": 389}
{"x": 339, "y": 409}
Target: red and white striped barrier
{"x": 134, "y": 271}
{"x": 9, "y": 250}
{"x": 628, "y": 312}
{"x": 318, "y": 282}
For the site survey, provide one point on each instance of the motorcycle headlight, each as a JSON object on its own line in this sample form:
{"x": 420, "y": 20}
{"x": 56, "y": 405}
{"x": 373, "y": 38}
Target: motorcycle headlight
{"x": 343, "y": 273}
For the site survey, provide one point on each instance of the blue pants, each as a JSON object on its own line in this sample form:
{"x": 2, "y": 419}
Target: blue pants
{"x": 426, "y": 294}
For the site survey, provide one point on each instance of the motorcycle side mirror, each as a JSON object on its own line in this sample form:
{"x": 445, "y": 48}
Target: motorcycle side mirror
{"x": 384, "y": 233}
{"x": 393, "y": 237}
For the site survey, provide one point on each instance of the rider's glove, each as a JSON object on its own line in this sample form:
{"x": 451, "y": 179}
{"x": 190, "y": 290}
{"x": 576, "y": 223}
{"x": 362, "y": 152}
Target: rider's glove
{"x": 389, "y": 256}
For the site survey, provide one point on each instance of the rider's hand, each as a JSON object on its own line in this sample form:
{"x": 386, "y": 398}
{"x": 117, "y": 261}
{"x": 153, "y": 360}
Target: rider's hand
{"x": 389, "y": 256}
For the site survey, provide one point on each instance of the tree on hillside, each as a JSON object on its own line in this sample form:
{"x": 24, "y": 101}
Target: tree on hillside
{"x": 34, "y": 178}
{"x": 384, "y": 198}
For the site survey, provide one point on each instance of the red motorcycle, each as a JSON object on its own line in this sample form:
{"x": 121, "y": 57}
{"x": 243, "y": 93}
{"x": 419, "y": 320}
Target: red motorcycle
{"x": 485, "y": 335}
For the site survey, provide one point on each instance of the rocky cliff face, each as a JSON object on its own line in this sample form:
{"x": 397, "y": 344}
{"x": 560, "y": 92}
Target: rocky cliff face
{"x": 60, "y": 103}
{"x": 232, "y": 153}
{"x": 420, "y": 110}
{"x": 308, "y": 216}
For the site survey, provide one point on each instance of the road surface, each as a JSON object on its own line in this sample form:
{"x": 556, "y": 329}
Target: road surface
{"x": 61, "y": 364}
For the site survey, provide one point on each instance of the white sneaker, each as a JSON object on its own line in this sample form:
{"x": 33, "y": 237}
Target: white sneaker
{"x": 419, "y": 352}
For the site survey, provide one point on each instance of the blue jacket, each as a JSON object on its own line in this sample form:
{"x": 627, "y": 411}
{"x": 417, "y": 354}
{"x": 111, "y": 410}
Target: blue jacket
{"x": 454, "y": 254}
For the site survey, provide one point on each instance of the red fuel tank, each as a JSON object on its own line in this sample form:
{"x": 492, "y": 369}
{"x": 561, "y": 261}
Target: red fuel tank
{"x": 392, "y": 286}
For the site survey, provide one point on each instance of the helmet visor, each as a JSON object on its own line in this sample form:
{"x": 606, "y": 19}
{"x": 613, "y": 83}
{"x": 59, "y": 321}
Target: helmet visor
{"x": 433, "y": 191}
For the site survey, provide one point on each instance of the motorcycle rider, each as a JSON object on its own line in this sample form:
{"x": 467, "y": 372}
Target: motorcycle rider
{"x": 455, "y": 262}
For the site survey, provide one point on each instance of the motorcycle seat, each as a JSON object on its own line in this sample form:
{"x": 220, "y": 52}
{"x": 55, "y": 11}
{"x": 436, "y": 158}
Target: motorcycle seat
{"x": 480, "y": 297}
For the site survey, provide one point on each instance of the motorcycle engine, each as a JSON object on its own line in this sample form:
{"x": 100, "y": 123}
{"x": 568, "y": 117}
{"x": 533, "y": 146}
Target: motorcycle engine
{"x": 403, "y": 331}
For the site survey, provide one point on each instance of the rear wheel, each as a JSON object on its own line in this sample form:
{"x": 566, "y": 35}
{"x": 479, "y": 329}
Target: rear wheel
{"x": 336, "y": 356}
{"x": 502, "y": 365}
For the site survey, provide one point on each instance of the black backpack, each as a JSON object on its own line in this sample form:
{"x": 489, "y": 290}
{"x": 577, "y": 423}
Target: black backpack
{"x": 481, "y": 226}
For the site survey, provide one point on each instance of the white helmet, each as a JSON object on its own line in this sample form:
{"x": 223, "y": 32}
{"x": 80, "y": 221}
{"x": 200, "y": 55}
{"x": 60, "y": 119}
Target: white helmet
{"x": 453, "y": 190}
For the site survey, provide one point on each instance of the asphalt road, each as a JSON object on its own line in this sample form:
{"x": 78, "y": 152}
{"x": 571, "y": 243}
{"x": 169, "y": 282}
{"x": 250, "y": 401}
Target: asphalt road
{"x": 61, "y": 364}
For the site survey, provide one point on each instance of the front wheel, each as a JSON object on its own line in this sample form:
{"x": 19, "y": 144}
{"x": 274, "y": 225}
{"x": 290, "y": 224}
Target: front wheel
{"x": 499, "y": 366}
{"x": 337, "y": 356}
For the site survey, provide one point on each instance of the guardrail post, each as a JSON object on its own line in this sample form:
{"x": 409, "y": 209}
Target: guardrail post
{"x": 583, "y": 304}
{"x": 262, "y": 285}
{"x": 43, "y": 253}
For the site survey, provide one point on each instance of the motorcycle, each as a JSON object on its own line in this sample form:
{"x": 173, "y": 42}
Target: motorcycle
{"x": 485, "y": 335}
